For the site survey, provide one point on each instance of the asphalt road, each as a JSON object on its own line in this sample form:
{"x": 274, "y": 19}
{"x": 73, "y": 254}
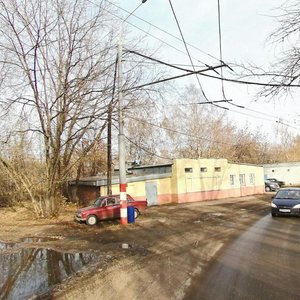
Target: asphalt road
{"x": 263, "y": 263}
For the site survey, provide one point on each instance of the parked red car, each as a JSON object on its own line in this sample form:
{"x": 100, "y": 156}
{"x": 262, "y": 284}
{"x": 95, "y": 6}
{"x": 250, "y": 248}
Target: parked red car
{"x": 107, "y": 207}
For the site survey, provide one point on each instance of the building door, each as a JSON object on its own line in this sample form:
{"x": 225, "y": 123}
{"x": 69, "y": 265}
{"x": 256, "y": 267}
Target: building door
{"x": 151, "y": 193}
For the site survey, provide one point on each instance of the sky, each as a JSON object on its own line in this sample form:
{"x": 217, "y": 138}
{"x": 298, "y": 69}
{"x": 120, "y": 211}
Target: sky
{"x": 245, "y": 26}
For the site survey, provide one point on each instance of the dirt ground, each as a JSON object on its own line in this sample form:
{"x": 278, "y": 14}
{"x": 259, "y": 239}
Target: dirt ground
{"x": 157, "y": 257}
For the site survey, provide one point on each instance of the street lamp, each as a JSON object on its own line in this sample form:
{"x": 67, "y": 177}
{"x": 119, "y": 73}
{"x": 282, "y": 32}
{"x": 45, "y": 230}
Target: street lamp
{"x": 121, "y": 139}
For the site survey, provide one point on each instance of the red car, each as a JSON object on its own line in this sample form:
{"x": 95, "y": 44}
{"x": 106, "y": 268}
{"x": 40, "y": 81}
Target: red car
{"x": 107, "y": 207}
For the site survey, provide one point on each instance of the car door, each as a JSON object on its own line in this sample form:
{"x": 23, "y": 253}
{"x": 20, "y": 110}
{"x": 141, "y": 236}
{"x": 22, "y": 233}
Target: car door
{"x": 117, "y": 207}
{"x": 111, "y": 207}
{"x": 101, "y": 211}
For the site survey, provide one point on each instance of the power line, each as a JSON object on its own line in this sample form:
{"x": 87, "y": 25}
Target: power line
{"x": 207, "y": 75}
{"x": 171, "y": 78}
{"x": 211, "y": 102}
{"x": 211, "y": 76}
{"x": 158, "y": 61}
{"x": 251, "y": 82}
{"x": 272, "y": 118}
{"x": 209, "y": 140}
{"x": 162, "y": 30}
{"x": 221, "y": 55}
{"x": 220, "y": 47}
{"x": 179, "y": 132}
{"x": 189, "y": 55}
{"x": 221, "y": 58}
{"x": 147, "y": 33}
{"x": 146, "y": 150}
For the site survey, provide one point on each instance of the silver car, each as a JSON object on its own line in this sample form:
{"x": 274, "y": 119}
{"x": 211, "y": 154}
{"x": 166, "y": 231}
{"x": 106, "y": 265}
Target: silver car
{"x": 271, "y": 186}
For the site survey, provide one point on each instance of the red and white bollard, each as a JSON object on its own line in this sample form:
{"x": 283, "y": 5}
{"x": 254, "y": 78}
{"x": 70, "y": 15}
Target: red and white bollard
{"x": 123, "y": 204}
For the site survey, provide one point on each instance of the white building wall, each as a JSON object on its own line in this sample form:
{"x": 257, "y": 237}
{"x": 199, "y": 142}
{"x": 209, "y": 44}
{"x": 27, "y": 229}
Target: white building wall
{"x": 287, "y": 172}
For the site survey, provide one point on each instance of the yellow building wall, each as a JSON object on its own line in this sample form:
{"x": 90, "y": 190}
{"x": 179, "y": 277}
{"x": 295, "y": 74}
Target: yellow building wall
{"x": 138, "y": 189}
{"x": 214, "y": 183}
{"x": 197, "y": 180}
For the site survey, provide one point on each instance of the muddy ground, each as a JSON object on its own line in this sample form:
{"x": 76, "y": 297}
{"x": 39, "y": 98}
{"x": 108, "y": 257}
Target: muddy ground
{"x": 157, "y": 257}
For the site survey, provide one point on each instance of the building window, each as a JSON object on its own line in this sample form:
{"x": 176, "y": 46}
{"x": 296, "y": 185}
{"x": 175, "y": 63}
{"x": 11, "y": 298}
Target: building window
{"x": 232, "y": 179}
{"x": 217, "y": 169}
{"x": 273, "y": 171}
{"x": 202, "y": 170}
{"x": 252, "y": 179}
{"x": 242, "y": 180}
{"x": 188, "y": 170}
{"x": 288, "y": 170}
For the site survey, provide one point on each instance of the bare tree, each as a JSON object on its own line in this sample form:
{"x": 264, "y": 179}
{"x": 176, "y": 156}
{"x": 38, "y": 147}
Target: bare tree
{"x": 249, "y": 147}
{"x": 58, "y": 57}
{"x": 195, "y": 128}
{"x": 282, "y": 76}
{"x": 286, "y": 69}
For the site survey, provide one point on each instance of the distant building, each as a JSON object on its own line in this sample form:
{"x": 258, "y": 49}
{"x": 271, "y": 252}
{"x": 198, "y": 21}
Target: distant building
{"x": 184, "y": 180}
{"x": 287, "y": 172}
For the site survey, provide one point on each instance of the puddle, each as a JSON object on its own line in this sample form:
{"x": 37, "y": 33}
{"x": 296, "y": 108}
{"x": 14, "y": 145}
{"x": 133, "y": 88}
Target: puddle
{"x": 28, "y": 272}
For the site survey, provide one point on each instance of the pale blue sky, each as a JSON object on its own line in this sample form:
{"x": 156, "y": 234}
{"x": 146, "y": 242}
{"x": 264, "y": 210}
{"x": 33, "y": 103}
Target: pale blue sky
{"x": 245, "y": 27}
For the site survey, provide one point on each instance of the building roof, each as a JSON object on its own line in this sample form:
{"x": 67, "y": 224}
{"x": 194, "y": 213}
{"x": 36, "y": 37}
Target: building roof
{"x": 285, "y": 164}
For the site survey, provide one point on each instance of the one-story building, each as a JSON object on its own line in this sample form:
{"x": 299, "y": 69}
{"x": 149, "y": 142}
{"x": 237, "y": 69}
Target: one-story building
{"x": 287, "y": 172}
{"x": 183, "y": 180}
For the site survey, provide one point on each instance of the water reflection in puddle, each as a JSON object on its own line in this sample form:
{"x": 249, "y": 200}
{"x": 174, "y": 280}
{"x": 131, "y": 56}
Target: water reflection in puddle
{"x": 33, "y": 271}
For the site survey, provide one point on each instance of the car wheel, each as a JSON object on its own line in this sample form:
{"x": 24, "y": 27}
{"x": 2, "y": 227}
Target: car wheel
{"x": 274, "y": 215}
{"x": 136, "y": 213}
{"x": 267, "y": 189}
{"x": 91, "y": 220}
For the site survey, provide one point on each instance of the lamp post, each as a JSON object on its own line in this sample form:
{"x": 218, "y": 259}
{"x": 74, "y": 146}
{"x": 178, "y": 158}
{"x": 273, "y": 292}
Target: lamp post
{"x": 121, "y": 137}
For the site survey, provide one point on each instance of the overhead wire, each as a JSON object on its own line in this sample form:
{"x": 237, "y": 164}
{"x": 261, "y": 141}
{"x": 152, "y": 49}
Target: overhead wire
{"x": 146, "y": 150}
{"x": 220, "y": 59}
{"x": 158, "y": 61}
{"x": 202, "y": 138}
{"x": 212, "y": 68}
{"x": 189, "y": 55}
{"x": 176, "y": 131}
{"x": 220, "y": 48}
{"x": 252, "y": 82}
{"x": 211, "y": 76}
{"x": 211, "y": 102}
{"x": 164, "y": 31}
{"x": 221, "y": 56}
{"x": 222, "y": 78}
{"x": 167, "y": 79}
{"x": 149, "y": 34}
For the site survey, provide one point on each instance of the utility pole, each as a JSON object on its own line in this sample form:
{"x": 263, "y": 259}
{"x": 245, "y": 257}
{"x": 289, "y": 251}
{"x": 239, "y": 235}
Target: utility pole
{"x": 109, "y": 158}
{"x": 121, "y": 137}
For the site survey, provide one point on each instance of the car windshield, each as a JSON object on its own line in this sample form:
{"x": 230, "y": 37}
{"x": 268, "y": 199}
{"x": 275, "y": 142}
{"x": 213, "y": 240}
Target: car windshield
{"x": 288, "y": 194}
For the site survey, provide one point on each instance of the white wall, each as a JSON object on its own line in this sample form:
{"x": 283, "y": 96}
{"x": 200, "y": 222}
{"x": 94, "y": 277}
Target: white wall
{"x": 287, "y": 172}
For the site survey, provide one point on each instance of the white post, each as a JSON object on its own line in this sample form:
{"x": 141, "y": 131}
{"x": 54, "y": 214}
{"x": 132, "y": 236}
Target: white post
{"x": 122, "y": 158}
{"x": 122, "y": 154}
